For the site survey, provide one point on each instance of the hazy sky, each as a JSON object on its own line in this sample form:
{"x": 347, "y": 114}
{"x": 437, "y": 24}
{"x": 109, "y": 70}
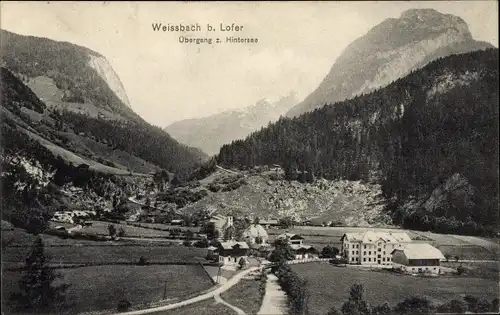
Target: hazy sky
{"x": 167, "y": 81}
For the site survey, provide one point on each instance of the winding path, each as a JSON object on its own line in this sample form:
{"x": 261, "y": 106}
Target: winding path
{"x": 239, "y": 311}
{"x": 212, "y": 294}
{"x": 274, "y": 301}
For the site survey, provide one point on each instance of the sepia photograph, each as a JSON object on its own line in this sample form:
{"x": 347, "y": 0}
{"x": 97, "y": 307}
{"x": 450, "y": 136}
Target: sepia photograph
{"x": 249, "y": 157}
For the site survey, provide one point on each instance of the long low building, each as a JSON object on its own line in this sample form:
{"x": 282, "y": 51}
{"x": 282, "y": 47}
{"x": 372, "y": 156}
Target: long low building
{"x": 417, "y": 258}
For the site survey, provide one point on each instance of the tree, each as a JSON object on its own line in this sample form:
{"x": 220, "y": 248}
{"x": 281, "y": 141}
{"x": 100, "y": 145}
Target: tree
{"x": 282, "y": 252}
{"x": 356, "y": 304}
{"x": 494, "y": 305}
{"x": 121, "y": 232}
{"x": 210, "y": 230}
{"x": 112, "y": 230}
{"x": 123, "y": 305}
{"x": 285, "y": 223}
{"x": 38, "y": 292}
{"x": 483, "y": 306}
{"x": 383, "y": 309}
{"x": 453, "y": 306}
{"x": 258, "y": 240}
{"x": 203, "y": 243}
{"x": 447, "y": 256}
{"x": 142, "y": 261}
{"x": 333, "y": 311}
{"x": 189, "y": 234}
{"x": 472, "y": 302}
{"x": 186, "y": 243}
{"x": 256, "y": 221}
{"x": 414, "y": 305}
{"x": 457, "y": 258}
{"x": 329, "y": 252}
{"x": 242, "y": 263}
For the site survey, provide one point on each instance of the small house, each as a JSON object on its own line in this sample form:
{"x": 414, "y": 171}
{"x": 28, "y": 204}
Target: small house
{"x": 176, "y": 222}
{"x": 293, "y": 239}
{"x": 304, "y": 251}
{"x": 417, "y": 258}
{"x": 231, "y": 252}
{"x": 269, "y": 222}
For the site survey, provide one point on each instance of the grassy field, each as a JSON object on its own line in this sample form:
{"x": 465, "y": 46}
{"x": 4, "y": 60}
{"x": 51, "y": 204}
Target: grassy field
{"x": 168, "y": 226}
{"x": 329, "y": 286}
{"x": 206, "y": 307}
{"x": 102, "y": 287}
{"x": 485, "y": 270}
{"x": 244, "y": 295}
{"x": 110, "y": 254}
{"x": 101, "y": 228}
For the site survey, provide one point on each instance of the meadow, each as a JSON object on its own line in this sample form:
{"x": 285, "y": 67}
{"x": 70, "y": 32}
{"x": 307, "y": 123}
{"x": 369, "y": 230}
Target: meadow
{"x": 329, "y": 286}
{"x": 245, "y": 295}
{"x": 110, "y": 254}
{"x": 206, "y": 307}
{"x": 102, "y": 287}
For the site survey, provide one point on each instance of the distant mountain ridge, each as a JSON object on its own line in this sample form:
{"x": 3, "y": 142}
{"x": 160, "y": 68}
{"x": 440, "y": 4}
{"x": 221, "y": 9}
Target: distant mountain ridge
{"x": 210, "y": 133}
{"x": 389, "y": 51}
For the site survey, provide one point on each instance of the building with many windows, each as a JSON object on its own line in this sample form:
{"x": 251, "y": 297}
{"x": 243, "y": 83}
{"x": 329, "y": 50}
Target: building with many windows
{"x": 372, "y": 248}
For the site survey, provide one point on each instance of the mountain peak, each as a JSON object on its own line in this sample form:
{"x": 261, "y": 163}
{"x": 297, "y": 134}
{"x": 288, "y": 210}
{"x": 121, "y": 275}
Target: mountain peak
{"x": 389, "y": 51}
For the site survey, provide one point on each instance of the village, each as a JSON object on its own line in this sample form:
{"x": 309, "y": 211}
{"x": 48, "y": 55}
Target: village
{"x": 240, "y": 250}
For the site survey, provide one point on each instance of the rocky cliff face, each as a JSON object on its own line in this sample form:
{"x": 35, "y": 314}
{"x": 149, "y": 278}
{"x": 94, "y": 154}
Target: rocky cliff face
{"x": 80, "y": 75}
{"x": 390, "y": 51}
{"x": 106, "y": 72}
{"x": 210, "y": 133}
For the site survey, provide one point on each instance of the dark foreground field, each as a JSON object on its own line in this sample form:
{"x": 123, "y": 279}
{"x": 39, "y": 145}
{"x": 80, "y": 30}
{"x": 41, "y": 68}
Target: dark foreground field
{"x": 109, "y": 254}
{"x": 102, "y": 287}
{"x": 206, "y": 307}
{"x": 329, "y": 286}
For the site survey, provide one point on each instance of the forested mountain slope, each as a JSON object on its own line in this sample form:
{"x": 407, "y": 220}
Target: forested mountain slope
{"x": 430, "y": 139}
{"x": 389, "y": 51}
{"x": 87, "y": 100}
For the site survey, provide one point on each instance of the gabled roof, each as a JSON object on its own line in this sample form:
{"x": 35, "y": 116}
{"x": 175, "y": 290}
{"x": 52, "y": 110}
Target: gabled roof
{"x": 420, "y": 251}
{"x": 303, "y": 248}
{"x": 255, "y": 230}
{"x": 234, "y": 245}
{"x": 212, "y": 248}
{"x": 368, "y": 237}
{"x": 290, "y": 236}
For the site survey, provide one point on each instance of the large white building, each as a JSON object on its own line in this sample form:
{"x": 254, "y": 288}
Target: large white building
{"x": 372, "y": 248}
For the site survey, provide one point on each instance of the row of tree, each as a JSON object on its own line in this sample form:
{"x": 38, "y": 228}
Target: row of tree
{"x": 356, "y": 305}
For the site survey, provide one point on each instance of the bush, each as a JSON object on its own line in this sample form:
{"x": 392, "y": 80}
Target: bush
{"x": 142, "y": 261}
{"x": 453, "y": 306}
{"x": 123, "y": 305}
{"x": 186, "y": 243}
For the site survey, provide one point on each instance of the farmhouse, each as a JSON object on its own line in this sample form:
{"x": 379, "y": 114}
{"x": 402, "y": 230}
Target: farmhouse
{"x": 293, "y": 239}
{"x": 255, "y": 233}
{"x": 231, "y": 252}
{"x": 417, "y": 258}
{"x": 269, "y": 222}
{"x": 304, "y": 251}
{"x": 372, "y": 248}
